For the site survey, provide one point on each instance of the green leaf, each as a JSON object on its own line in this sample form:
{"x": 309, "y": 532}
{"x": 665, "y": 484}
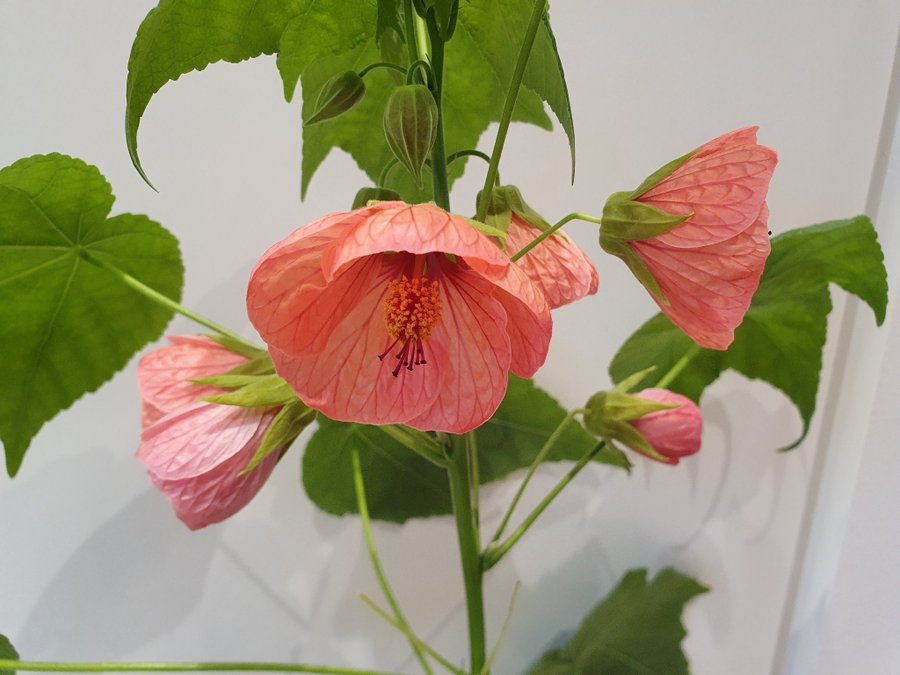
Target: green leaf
{"x": 69, "y": 325}
{"x": 636, "y": 630}
{"x": 316, "y": 39}
{"x": 7, "y": 653}
{"x": 180, "y": 36}
{"x": 783, "y": 333}
{"x": 402, "y": 485}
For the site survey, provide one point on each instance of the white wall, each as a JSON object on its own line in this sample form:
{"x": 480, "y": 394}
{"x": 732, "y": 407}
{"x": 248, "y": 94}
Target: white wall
{"x": 95, "y": 567}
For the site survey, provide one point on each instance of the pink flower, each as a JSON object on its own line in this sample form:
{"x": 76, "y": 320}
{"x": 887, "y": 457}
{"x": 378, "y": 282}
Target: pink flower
{"x": 556, "y": 265}
{"x": 398, "y": 314}
{"x": 673, "y": 433}
{"x": 195, "y": 450}
{"x": 709, "y": 266}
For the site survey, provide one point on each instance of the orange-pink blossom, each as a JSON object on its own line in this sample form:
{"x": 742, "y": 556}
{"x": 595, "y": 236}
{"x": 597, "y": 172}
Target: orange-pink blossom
{"x": 709, "y": 266}
{"x": 194, "y": 450}
{"x": 674, "y": 433}
{"x": 398, "y": 314}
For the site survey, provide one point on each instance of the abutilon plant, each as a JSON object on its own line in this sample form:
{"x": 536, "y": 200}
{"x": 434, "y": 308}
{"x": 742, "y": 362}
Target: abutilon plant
{"x": 403, "y": 329}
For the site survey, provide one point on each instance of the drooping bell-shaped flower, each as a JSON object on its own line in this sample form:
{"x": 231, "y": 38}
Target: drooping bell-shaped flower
{"x": 196, "y": 451}
{"x": 695, "y": 233}
{"x": 398, "y": 314}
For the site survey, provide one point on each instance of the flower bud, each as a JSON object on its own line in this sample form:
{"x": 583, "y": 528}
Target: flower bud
{"x": 367, "y": 195}
{"x": 657, "y": 423}
{"x": 410, "y": 125}
{"x": 340, "y": 94}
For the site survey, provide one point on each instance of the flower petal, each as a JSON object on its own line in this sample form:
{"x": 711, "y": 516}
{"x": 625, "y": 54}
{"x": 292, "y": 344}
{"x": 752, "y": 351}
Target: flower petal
{"x": 472, "y": 340}
{"x": 421, "y": 228}
{"x": 196, "y": 439}
{"x": 557, "y": 266}
{"x": 165, "y": 374}
{"x": 528, "y": 324}
{"x": 723, "y": 186}
{"x": 709, "y": 288}
{"x": 345, "y": 379}
{"x": 221, "y": 492}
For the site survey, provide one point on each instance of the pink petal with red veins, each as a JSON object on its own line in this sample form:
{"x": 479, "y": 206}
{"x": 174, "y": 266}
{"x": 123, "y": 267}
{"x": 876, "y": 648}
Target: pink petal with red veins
{"x": 196, "y": 439}
{"x": 709, "y": 288}
{"x": 557, "y": 266}
{"x": 422, "y": 228}
{"x": 288, "y": 279}
{"x": 724, "y": 188}
{"x": 528, "y": 320}
{"x": 219, "y": 493}
{"x": 346, "y": 380}
{"x": 472, "y": 336}
{"x": 164, "y": 374}
{"x": 744, "y": 136}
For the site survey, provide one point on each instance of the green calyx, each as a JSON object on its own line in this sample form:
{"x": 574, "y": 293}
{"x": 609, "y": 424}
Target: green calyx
{"x": 367, "y": 195}
{"x": 410, "y": 126}
{"x": 340, "y": 94}
{"x": 288, "y": 424}
{"x": 608, "y": 415}
{"x": 506, "y": 200}
{"x": 446, "y": 13}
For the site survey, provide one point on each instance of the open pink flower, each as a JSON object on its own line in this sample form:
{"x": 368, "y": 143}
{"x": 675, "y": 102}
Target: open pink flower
{"x": 556, "y": 265}
{"x": 709, "y": 266}
{"x": 195, "y": 450}
{"x": 674, "y": 433}
{"x": 398, "y": 314}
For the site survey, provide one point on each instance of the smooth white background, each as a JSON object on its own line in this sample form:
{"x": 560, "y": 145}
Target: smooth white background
{"x": 93, "y": 565}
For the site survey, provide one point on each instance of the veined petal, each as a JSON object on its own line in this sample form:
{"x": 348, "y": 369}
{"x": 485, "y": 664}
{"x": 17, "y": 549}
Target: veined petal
{"x": 723, "y": 186}
{"x": 557, "y": 266}
{"x": 196, "y": 439}
{"x": 474, "y": 344}
{"x": 528, "y": 320}
{"x": 164, "y": 375}
{"x": 709, "y": 288}
{"x": 221, "y": 492}
{"x": 421, "y": 228}
{"x": 345, "y": 379}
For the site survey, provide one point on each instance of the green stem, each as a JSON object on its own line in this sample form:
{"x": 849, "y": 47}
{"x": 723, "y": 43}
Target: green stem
{"x": 162, "y": 300}
{"x": 410, "y": 635}
{"x": 475, "y": 482}
{"x": 439, "y": 151}
{"x": 680, "y": 365}
{"x": 376, "y": 563}
{"x": 504, "y": 629}
{"x": 222, "y": 667}
{"x": 381, "y": 64}
{"x": 549, "y": 232}
{"x": 417, "y": 441}
{"x": 469, "y": 550}
{"x": 409, "y": 17}
{"x": 512, "y": 96}
{"x": 459, "y": 154}
{"x": 541, "y": 456}
{"x": 495, "y": 552}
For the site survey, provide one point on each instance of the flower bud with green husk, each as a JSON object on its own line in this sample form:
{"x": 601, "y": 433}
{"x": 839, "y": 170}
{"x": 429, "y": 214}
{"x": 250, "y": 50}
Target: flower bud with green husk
{"x": 410, "y": 126}
{"x": 367, "y": 195}
{"x": 340, "y": 94}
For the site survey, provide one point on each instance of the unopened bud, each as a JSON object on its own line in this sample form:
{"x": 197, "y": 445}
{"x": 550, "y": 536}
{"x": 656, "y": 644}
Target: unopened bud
{"x": 410, "y": 126}
{"x": 367, "y": 195}
{"x": 340, "y": 94}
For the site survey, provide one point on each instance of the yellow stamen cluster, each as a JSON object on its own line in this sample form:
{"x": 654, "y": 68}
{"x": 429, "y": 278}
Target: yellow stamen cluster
{"x": 412, "y": 308}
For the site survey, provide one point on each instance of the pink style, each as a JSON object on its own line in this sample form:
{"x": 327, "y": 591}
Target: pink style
{"x": 709, "y": 266}
{"x": 674, "y": 433}
{"x": 398, "y": 314}
{"x": 194, "y": 451}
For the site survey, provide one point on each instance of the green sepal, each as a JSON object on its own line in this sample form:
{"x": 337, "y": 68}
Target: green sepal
{"x": 627, "y": 220}
{"x": 238, "y": 346}
{"x": 608, "y": 413}
{"x": 638, "y": 267}
{"x": 340, "y": 94}
{"x": 633, "y": 380}
{"x": 288, "y": 424}
{"x": 488, "y": 228}
{"x": 660, "y": 175}
{"x": 613, "y": 456}
{"x": 632, "y": 438}
{"x": 251, "y": 391}
{"x": 367, "y": 195}
{"x": 410, "y": 126}
{"x": 261, "y": 365}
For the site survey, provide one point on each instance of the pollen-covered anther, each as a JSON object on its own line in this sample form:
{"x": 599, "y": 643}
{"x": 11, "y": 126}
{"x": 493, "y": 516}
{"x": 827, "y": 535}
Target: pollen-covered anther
{"x": 411, "y": 310}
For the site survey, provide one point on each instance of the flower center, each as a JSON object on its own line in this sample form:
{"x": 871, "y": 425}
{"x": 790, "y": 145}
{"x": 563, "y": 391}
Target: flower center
{"x": 411, "y": 310}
